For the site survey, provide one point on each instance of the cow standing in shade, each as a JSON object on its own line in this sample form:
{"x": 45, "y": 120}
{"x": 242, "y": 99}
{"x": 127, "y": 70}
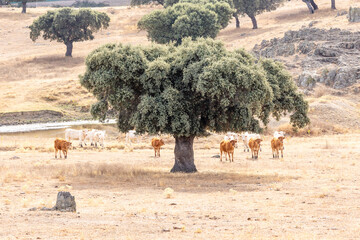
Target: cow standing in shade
{"x": 157, "y": 143}
{"x": 228, "y": 148}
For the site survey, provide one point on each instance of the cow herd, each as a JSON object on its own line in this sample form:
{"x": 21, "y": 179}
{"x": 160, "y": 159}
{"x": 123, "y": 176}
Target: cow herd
{"x": 251, "y": 142}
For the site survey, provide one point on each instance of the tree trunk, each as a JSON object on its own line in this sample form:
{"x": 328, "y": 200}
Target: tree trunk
{"x": 69, "y": 47}
{"x": 309, "y": 6}
{"x": 333, "y": 4}
{"x": 23, "y": 7}
{"x": 253, "y": 20}
{"x": 237, "y": 20}
{"x": 184, "y": 155}
{"x": 314, "y": 5}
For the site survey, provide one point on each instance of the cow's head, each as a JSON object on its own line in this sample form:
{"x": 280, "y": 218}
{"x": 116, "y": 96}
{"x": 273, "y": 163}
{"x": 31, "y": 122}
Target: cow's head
{"x": 68, "y": 144}
{"x": 233, "y": 142}
{"x": 161, "y": 142}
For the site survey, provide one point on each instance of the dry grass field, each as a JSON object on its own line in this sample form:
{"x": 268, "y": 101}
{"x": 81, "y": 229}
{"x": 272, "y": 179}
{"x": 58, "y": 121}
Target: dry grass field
{"x": 312, "y": 193}
{"x": 36, "y": 75}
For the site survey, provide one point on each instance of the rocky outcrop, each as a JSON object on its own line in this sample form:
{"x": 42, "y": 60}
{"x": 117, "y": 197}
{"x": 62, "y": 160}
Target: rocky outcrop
{"x": 354, "y": 14}
{"x": 328, "y": 56}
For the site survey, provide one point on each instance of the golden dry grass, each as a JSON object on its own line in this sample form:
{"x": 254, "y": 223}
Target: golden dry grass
{"x": 37, "y": 76}
{"x": 298, "y": 197}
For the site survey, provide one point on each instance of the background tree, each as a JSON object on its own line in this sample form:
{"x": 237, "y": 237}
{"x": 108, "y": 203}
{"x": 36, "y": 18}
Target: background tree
{"x": 68, "y": 25}
{"x": 186, "y": 20}
{"x": 143, "y": 2}
{"x": 255, "y": 7}
{"x": 24, "y": 3}
{"x": 189, "y": 89}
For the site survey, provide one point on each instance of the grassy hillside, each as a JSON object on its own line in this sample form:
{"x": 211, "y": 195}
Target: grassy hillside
{"x": 37, "y": 76}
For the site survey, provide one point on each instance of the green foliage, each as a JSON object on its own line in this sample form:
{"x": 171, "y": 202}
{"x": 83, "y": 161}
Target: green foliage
{"x": 67, "y": 25}
{"x": 87, "y": 3}
{"x": 189, "y": 89}
{"x": 143, "y": 2}
{"x": 186, "y": 20}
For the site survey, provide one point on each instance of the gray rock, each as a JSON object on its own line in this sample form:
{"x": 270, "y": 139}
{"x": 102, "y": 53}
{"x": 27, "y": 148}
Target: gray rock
{"x": 216, "y": 156}
{"x": 65, "y": 202}
{"x": 308, "y": 79}
{"x": 354, "y": 14}
{"x": 286, "y": 50}
{"x": 305, "y": 47}
{"x": 345, "y": 77}
{"x": 312, "y": 23}
{"x": 325, "y": 52}
{"x": 341, "y": 13}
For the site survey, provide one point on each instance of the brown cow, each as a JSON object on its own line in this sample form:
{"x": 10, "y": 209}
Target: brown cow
{"x": 276, "y": 146}
{"x": 157, "y": 143}
{"x": 254, "y": 145}
{"x": 61, "y": 145}
{"x": 227, "y": 146}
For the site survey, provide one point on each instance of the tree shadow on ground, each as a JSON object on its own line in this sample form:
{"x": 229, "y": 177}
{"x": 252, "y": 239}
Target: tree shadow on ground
{"x": 99, "y": 176}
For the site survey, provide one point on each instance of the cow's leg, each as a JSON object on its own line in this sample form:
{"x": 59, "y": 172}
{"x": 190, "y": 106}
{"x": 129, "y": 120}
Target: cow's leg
{"x": 282, "y": 155}
{"x": 221, "y": 153}
{"x": 155, "y": 151}
{"x": 60, "y": 153}
{"x": 65, "y": 154}
{"x": 56, "y": 152}
{"x": 159, "y": 152}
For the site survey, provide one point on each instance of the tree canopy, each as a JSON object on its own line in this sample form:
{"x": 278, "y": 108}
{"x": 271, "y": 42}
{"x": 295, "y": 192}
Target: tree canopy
{"x": 67, "y": 25}
{"x": 189, "y": 89}
{"x": 142, "y": 2}
{"x": 185, "y": 19}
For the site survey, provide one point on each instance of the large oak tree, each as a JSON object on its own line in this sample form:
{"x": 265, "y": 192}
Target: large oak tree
{"x": 67, "y": 25}
{"x": 189, "y": 89}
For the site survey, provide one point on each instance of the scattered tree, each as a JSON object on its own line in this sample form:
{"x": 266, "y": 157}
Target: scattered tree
{"x": 143, "y": 2}
{"x": 189, "y": 89}
{"x": 255, "y": 7}
{"x": 23, "y": 3}
{"x": 186, "y": 20}
{"x": 67, "y": 25}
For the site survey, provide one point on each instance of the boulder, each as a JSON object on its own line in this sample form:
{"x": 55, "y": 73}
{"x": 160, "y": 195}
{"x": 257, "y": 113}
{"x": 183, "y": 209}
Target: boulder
{"x": 308, "y": 79}
{"x": 354, "y": 14}
{"x": 305, "y": 47}
{"x": 65, "y": 202}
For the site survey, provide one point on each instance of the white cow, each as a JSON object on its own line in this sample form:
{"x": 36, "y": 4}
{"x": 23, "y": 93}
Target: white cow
{"x": 99, "y": 137}
{"x": 90, "y": 136}
{"x": 72, "y": 134}
{"x": 279, "y": 134}
{"x": 96, "y": 136}
{"x": 131, "y": 134}
{"x": 246, "y": 138}
{"x": 232, "y": 136}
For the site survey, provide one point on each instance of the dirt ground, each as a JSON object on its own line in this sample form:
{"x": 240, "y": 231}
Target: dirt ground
{"x": 312, "y": 193}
